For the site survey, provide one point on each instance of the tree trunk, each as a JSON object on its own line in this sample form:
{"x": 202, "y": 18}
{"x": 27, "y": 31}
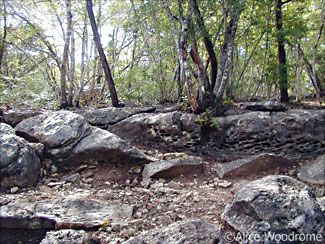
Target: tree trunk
{"x": 230, "y": 91}
{"x": 283, "y": 72}
{"x": 72, "y": 73}
{"x": 250, "y": 57}
{"x": 225, "y": 59}
{"x": 298, "y": 74}
{"x": 103, "y": 59}
{"x": 182, "y": 52}
{"x": 311, "y": 74}
{"x": 317, "y": 80}
{"x": 64, "y": 63}
{"x": 205, "y": 96}
{"x": 186, "y": 65}
{"x": 208, "y": 44}
{"x": 84, "y": 59}
{"x": 3, "y": 43}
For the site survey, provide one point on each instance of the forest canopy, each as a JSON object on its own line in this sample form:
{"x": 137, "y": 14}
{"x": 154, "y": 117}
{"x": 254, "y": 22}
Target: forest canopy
{"x": 203, "y": 53}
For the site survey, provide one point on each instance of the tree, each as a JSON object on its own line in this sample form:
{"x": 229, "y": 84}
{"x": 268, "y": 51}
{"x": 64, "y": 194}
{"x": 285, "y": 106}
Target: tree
{"x": 210, "y": 92}
{"x": 102, "y": 55}
{"x": 227, "y": 49}
{"x": 234, "y": 10}
{"x": 2, "y": 43}
{"x": 180, "y": 38}
{"x": 64, "y": 63}
{"x": 283, "y": 72}
{"x": 84, "y": 59}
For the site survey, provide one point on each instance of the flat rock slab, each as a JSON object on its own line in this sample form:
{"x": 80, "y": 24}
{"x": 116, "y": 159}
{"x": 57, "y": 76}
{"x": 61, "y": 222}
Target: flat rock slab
{"x": 171, "y": 168}
{"x": 252, "y": 165}
{"x": 70, "y": 139}
{"x": 298, "y": 133}
{"x": 65, "y": 237}
{"x": 164, "y": 131}
{"x": 71, "y": 212}
{"x": 104, "y": 146}
{"x": 15, "y": 116}
{"x": 272, "y": 106}
{"x": 190, "y": 231}
{"x": 313, "y": 172}
{"x": 54, "y": 129}
{"x": 59, "y": 131}
{"x": 109, "y": 116}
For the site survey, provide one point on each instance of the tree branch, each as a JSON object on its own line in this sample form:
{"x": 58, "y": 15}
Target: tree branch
{"x": 28, "y": 56}
{"x": 285, "y": 2}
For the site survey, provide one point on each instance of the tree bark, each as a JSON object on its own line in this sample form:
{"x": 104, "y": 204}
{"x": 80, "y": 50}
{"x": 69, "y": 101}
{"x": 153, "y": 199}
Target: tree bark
{"x": 182, "y": 52}
{"x": 298, "y": 74}
{"x": 311, "y": 74}
{"x": 225, "y": 59}
{"x": 283, "y": 72}
{"x": 205, "y": 96}
{"x": 64, "y": 63}
{"x": 208, "y": 44}
{"x": 107, "y": 71}
{"x": 3, "y": 43}
{"x": 317, "y": 80}
{"x": 72, "y": 68}
{"x": 84, "y": 59}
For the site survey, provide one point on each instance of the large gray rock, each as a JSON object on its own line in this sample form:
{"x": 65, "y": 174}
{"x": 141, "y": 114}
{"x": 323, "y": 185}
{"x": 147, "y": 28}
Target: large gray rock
{"x": 313, "y": 172}
{"x": 321, "y": 202}
{"x": 109, "y": 116}
{"x": 69, "y": 139}
{"x": 104, "y": 146}
{"x": 297, "y": 134}
{"x": 294, "y": 133}
{"x": 166, "y": 131}
{"x": 300, "y": 125}
{"x": 73, "y": 212}
{"x": 65, "y": 237}
{"x": 275, "y": 205}
{"x": 186, "y": 232}
{"x": 58, "y": 131}
{"x": 19, "y": 164}
{"x": 13, "y": 117}
{"x": 272, "y": 106}
{"x": 252, "y": 165}
{"x": 171, "y": 168}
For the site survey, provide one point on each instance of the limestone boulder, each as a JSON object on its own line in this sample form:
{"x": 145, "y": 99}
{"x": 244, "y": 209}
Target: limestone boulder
{"x": 65, "y": 236}
{"x": 69, "y": 139}
{"x": 101, "y": 145}
{"x": 252, "y": 165}
{"x": 166, "y": 131}
{"x": 70, "y": 212}
{"x": 275, "y": 205}
{"x": 297, "y": 134}
{"x": 299, "y": 126}
{"x": 313, "y": 172}
{"x": 272, "y": 106}
{"x": 172, "y": 167}
{"x": 19, "y": 164}
{"x": 108, "y": 116}
{"x": 190, "y": 231}
{"x": 58, "y": 131}
{"x": 13, "y": 117}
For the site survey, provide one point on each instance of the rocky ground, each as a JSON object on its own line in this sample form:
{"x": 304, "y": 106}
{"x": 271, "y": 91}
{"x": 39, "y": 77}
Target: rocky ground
{"x": 201, "y": 193}
{"x": 157, "y": 204}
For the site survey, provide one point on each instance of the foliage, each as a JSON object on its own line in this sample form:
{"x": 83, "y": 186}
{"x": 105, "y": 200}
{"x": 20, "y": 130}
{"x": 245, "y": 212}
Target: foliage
{"x": 138, "y": 41}
{"x": 207, "y": 119}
